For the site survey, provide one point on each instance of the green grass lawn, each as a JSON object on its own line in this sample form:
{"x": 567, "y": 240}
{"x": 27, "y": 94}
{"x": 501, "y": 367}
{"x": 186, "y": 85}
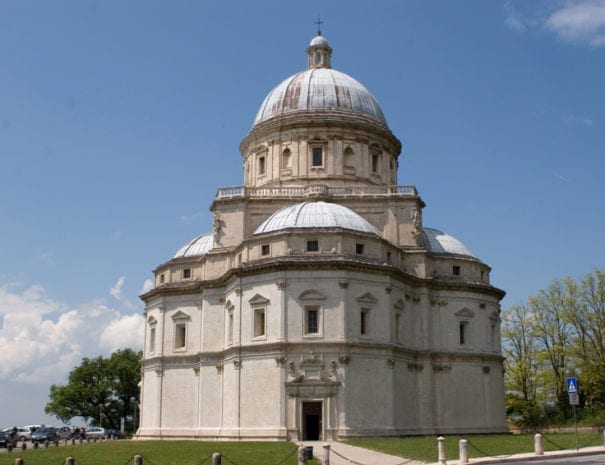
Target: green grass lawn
{"x": 284, "y": 453}
{"x": 160, "y": 453}
{"x": 425, "y": 449}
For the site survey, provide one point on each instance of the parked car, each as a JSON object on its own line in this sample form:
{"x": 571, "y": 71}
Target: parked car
{"x": 7, "y": 440}
{"x": 44, "y": 434}
{"x": 24, "y": 433}
{"x": 64, "y": 432}
{"x": 114, "y": 434}
{"x": 95, "y": 432}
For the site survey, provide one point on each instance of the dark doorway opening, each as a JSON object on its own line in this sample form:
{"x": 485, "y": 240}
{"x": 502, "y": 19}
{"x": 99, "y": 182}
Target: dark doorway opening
{"x": 311, "y": 416}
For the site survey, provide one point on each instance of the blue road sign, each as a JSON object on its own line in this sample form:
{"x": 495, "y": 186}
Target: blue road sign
{"x": 572, "y": 385}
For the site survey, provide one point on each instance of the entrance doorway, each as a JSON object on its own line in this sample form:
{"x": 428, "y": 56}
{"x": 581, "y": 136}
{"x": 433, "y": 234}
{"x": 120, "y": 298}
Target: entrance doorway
{"x": 311, "y": 421}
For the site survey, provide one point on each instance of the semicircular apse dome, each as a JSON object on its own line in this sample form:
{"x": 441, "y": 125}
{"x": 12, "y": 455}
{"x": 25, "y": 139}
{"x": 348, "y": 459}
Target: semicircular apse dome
{"x": 201, "y": 245}
{"x": 438, "y": 242}
{"x": 315, "y": 215}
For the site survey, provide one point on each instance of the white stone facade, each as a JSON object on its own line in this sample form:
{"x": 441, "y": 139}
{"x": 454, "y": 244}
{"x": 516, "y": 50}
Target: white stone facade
{"x": 321, "y": 329}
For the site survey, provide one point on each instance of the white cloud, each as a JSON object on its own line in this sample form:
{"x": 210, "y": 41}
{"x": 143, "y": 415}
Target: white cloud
{"x": 192, "y": 217}
{"x": 513, "y": 20}
{"x": 147, "y": 286}
{"x": 116, "y": 290}
{"x": 581, "y": 22}
{"x": 41, "y": 340}
{"x": 119, "y": 334}
{"x": 573, "y": 119}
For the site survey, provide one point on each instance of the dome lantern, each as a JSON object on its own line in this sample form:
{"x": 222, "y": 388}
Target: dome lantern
{"x": 319, "y": 52}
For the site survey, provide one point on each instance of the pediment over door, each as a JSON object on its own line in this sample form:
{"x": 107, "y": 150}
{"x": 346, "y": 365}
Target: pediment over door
{"x": 312, "y": 294}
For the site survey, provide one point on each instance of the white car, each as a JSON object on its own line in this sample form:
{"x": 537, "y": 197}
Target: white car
{"x": 95, "y": 432}
{"x": 24, "y": 433}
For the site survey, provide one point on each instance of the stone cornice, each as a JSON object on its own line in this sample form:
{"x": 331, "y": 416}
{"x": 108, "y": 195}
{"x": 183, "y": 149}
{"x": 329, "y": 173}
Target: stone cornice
{"x": 345, "y": 349}
{"x": 323, "y": 119}
{"x": 316, "y": 262}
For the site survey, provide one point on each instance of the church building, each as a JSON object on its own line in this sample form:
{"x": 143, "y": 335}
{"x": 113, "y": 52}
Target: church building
{"x": 320, "y": 307}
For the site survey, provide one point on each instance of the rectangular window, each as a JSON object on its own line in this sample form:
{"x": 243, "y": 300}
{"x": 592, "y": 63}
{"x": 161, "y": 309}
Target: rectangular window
{"x": 180, "y": 336}
{"x": 261, "y": 166}
{"x": 363, "y": 321}
{"x": 318, "y": 157}
{"x": 265, "y": 249}
{"x": 230, "y": 327}
{"x": 187, "y": 273}
{"x": 312, "y": 320}
{"x": 463, "y": 332}
{"x": 397, "y": 327}
{"x": 456, "y": 270}
{"x": 152, "y": 340}
{"x": 312, "y": 246}
{"x": 162, "y": 278}
{"x": 259, "y": 322}
{"x": 375, "y": 163}
{"x": 359, "y": 249}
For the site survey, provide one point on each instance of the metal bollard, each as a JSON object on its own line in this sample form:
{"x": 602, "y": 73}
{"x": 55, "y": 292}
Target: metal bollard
{"x": 138, "y": 460}
{"x": 538, "y": 446}
{"x": 463, "y": 448}
{"x": 216, "y": 458}
{"x": 70, "y": 461}
{"x": 19, "y": 461}
{"x": 302, "y": 458}
{"x": 326, "y": 447}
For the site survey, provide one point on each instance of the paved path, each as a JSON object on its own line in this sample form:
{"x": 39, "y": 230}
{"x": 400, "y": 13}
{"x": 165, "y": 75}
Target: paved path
{"x": 345, "y": 454}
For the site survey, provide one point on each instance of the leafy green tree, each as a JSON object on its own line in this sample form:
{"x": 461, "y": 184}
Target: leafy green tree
{"x": 553, "y": 334}
{"x": 586, "y": 313}
{"x": 520, "y": 364}
{"x": 102, "y": 391}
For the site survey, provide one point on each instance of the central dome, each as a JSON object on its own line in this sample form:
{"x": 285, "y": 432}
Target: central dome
{"x": 319, "y": 88}
{"x": 315, "y": 215}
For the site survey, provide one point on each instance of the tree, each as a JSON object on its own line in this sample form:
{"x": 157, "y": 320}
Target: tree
{"x": 559, "y": 333}
{"x": 102, "y": 391}
{"x": 554, "y": 335}
{"x": 586, "y": 313}
{"x": 521, "y": 366}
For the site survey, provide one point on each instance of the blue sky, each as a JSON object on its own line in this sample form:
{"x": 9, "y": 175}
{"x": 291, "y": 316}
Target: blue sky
{"x": 120, "y": 119}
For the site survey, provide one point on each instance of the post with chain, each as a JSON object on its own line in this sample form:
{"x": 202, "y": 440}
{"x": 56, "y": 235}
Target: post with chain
{"x": 216, "y": 458}
{"x": 538, "y": 445}
{"x": 441, "y": 450}
{"x": 138, "y": 460}
{"x": 326, "y": 447}
{"x": 463, "y": 448}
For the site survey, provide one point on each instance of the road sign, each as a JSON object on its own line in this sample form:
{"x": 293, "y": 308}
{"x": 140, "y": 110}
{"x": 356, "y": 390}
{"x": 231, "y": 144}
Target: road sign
{"x": 574, "y": 398}
{"x": 572, "y": 385}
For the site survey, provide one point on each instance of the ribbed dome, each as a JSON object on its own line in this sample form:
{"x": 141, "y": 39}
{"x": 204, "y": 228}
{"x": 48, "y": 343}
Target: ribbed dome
{"x": 315, "y": 215}
{"x": 319, "y": 88}
{"x": 316, "y": 89}
{"x": 438, "y": 242}
{"x": 198, "y": 246}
